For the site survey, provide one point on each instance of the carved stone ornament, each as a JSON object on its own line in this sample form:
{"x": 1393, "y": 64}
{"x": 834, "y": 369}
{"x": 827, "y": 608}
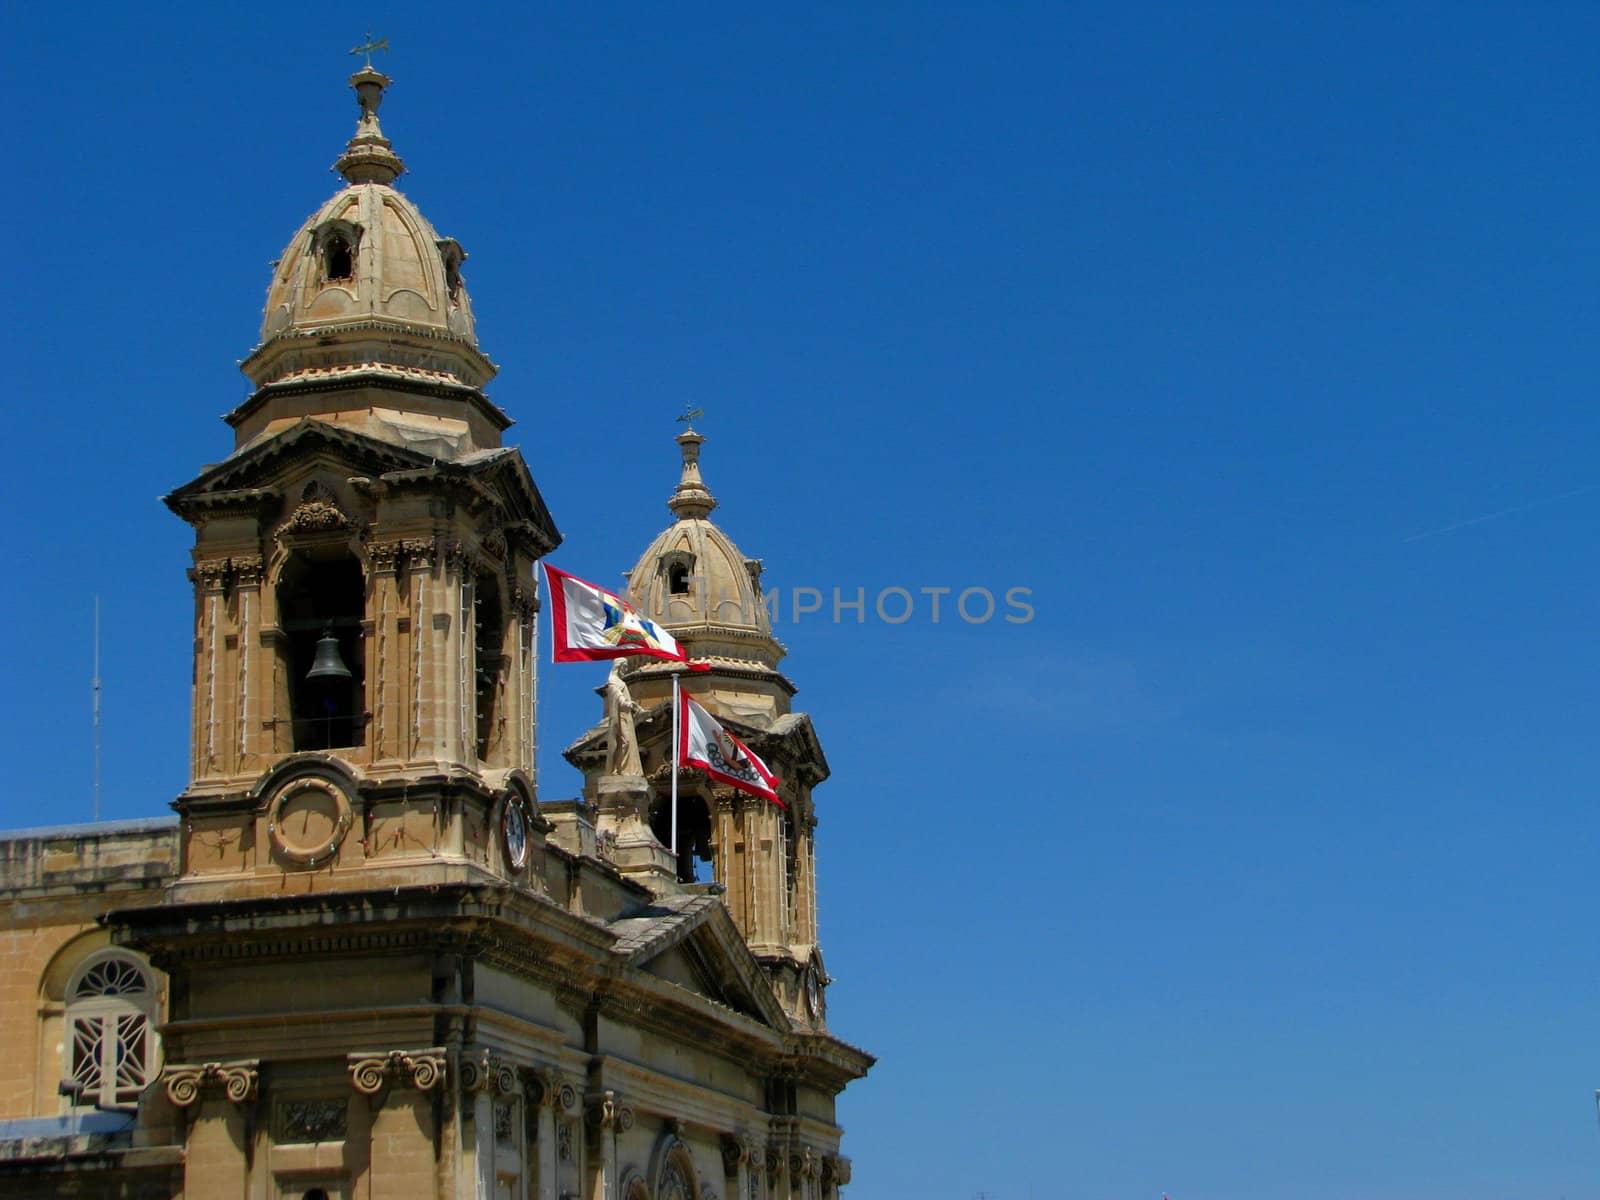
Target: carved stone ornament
{"x": 774, "y": 1160}
{"x": 736, "y": 1152}
{"x": 420, "y": 548}
{"x": 317, "y": 512}
{"x": 674, "y": 1182}
{"x": 246, "y": 569}
{"x": 491, "y": 536}
{"x": 504, "y": 1120}
{"x": 212, "y": 574}
{"x": 385, "y": 557}
{"x": 564, "y": 1140}
{"x": 555, "y": 1091}
{"x": 606, "y": 1111}
{"x": 312, "y": 1120}
{"x": 421, "y": 1069}
{"x": 487, "y": 1071}
{"x": 835, "y": 1170}
{"x": 237, "y": 1080}
{"x": 802, "y": 1163}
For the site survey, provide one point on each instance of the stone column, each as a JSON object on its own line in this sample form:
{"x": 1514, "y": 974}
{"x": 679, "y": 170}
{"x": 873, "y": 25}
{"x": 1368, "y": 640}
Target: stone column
{"x": 608, "y": 1117}
{"x": 212, "y": 719}
{"x": 557, "y": 1098}
{"x": 742, "y": 1163}
{"x": 215, "y": 1160}
{"x": 404, "y": 1159}
{"x": 387, "y": 677}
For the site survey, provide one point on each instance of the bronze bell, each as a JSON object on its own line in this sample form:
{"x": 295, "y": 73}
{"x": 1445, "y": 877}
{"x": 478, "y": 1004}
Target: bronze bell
{"x": 328, "y": 664}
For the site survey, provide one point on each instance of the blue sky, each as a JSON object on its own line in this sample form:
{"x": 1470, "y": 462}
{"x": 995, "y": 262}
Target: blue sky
{"x": 1257, "y": 863}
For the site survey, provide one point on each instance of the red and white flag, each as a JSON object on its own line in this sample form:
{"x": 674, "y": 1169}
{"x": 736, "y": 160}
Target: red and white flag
{"x": 591, "y": 624}
{"x": 704, "y": 743}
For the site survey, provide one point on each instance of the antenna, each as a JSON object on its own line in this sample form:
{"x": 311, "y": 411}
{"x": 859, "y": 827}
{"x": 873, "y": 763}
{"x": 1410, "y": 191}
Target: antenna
{"x": 96, "y": 685}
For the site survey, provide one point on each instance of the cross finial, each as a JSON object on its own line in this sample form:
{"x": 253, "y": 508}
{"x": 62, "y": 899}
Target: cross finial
{"x": 369, "y": 46}
{"x": 689, "y": 414}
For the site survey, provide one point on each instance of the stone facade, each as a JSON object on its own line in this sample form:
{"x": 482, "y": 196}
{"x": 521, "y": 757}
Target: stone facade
{"x": 367, "y": 960}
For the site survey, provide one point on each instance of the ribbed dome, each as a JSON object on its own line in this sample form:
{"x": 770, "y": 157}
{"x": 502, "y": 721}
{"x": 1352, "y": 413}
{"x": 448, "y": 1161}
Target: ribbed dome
{"x": 367, "y": 319}
{"x": 694, "y": 580}
{"x": 368, "y": 254}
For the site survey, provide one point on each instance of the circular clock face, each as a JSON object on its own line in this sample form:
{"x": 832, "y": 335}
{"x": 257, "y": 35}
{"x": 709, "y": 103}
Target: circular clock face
{"x": 514, "y": 830}
{"x": 814, "y": 991}
{"x": 309, "y": 818}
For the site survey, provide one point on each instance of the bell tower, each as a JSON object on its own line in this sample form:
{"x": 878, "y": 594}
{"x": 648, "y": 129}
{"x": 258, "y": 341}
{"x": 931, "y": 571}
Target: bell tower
{"x": 696, "y": 583}
{"x": 364, "y": 609}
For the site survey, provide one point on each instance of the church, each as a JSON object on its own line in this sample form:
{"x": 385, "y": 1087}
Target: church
{"x": 368, "y": 959}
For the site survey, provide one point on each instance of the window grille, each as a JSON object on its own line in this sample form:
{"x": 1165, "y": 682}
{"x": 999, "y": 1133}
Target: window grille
{"x": 110, "y": 1045}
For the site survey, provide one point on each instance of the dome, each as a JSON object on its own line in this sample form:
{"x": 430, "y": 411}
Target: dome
{"x": 367, "y": 312}
{"x": 694, "y": 581}
{"x": 369, "y": 255}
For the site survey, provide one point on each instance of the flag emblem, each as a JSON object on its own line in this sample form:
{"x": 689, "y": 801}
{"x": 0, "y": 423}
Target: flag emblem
{"x": 704, "y": 743}
{"x": 591, "y": 624}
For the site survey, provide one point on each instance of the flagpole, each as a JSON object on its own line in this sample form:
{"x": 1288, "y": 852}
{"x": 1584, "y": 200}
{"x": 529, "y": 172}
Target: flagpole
{"x": 677, "y": 741}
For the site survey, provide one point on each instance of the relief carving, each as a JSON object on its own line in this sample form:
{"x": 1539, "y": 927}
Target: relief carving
{"x": 385, "y": 557}
{"x": 736, "y": 1152}
{"x": 608, "y": 1112}
{"x": 311, "y": 1120}
{"x": 237, "y": 1080}
{"x": 504, "y": 1120}
{"x": 487, "y": 1071}
{"x": 555, "y": 1091}
{"x": 421, "y": 1069}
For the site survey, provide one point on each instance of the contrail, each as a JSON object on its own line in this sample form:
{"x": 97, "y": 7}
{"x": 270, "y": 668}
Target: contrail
{"x": 1504, "y": 512}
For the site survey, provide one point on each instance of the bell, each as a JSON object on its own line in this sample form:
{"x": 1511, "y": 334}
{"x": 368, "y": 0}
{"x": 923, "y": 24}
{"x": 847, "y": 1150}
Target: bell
{"x": 328, "y": 664}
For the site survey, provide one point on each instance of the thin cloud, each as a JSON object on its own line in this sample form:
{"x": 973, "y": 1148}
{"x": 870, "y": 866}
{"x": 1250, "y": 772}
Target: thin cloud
{"x": 1504, "y": 512}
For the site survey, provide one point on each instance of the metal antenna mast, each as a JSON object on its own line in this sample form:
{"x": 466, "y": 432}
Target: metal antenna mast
{"x": 96, "y": 708}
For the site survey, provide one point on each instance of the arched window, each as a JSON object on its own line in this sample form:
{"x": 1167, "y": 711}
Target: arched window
{"x": 321, "y": 602}
{"x": 110, "y": 1045}
{"x": 489, "y": 655}
{"x": 694, "y": 831}
{"x": 339, "y": 259}
{"x": 678, "y": 579}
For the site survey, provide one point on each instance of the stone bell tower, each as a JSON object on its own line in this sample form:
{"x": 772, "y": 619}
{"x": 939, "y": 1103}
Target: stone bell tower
{"x": 364, "y": 650}
{"x": 389, "y": 971}
{"x": 695, "y": 582}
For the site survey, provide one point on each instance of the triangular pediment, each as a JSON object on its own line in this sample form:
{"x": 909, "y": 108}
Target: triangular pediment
{"x": 692, "y": 942}
{"x": 255, "y": 476}
{"x": 265, "y": 463}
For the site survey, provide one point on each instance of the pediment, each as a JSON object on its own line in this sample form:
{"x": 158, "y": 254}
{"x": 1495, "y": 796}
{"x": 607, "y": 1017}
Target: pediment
{"x": 255, "y": 477}
{"x": 264, "y": 466}
{"x": 692, "y": 943}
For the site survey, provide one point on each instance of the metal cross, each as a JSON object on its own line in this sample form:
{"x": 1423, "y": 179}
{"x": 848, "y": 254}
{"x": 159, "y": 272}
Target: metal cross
{"x": 380, "y": 44}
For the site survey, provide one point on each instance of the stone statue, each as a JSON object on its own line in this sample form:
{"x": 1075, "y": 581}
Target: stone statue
{"x": 622, "y": 750}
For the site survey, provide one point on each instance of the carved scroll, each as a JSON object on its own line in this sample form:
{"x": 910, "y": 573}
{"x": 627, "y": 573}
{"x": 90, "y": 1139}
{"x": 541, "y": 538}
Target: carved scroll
{"x": 421, "y": 1069}
{"x": 236, "y": 1080}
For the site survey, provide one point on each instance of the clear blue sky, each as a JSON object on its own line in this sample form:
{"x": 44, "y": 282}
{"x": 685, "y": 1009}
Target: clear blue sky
{"x": 1262, "y": 862}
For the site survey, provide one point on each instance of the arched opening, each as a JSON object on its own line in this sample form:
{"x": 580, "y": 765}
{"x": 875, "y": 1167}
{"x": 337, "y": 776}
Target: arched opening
{"x": 678, "y": 1180}
{"x": 694, "y": 831}
{"x": 791, "y": 865}
{"x": 110, "y": 1043}
{"x": 321, "y": 602}
{"x": 490, "y": 662}
{"x": 678, "y": 579}
{"x": 338, "y": 258}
